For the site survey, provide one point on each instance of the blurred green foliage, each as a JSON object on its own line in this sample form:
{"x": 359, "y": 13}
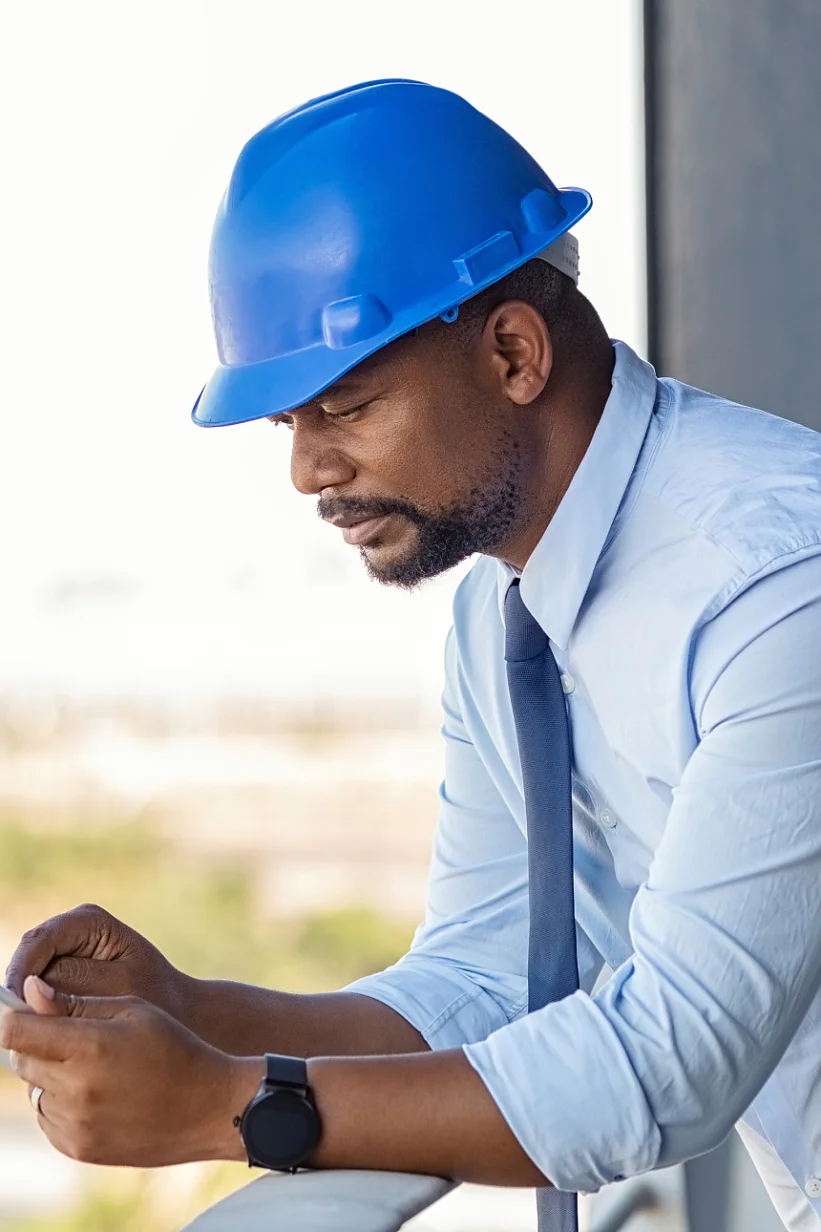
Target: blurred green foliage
{"x": 103, "y": 1209}
{"x": 203, "y": 915}
{"x": 206, "y": 917}
{"x": 32, "y": 858}
{"x": 134, "y": 1202}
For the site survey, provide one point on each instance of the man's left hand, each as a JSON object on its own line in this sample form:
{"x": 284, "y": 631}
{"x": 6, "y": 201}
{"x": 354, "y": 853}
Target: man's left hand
{"x": 125, "y": 1083}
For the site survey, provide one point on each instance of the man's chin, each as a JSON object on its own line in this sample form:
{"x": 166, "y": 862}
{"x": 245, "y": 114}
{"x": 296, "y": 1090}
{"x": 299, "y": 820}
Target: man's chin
{"x": 406, "y": 570}
{"x": 391, "y": 568}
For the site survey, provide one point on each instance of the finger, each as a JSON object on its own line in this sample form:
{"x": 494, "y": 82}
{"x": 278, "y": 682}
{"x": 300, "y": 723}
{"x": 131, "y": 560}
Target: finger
{"x": 44, "y": 999}
{"x": 71, "y": 974}
{"x": 38, "y": 1073}
{"x": 91, "y": 976}
{"x": 33, "y": 954}
{"x": 47, "y": 1109}
{"x": 41, "y": 996}
{"x": 74, "y": 932}
{"x": 37, "y": 1035}
{"x": 75, "y": 1007}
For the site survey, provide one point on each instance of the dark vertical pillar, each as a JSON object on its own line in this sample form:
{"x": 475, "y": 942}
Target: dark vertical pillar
{"x": 733, "y": 92}
{"x": 707, "y": 1189}
{"x": 733, "y": 149}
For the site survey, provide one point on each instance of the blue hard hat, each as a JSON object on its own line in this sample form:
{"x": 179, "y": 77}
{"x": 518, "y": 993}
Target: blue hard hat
{"x": 353, "y": 219}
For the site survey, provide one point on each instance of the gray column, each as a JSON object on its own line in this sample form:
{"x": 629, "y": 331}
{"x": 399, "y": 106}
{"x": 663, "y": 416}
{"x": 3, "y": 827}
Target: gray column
{"x": 734, "y": 198}
{"x": 733, "y": 148}
{"x": 707, "y": 1189}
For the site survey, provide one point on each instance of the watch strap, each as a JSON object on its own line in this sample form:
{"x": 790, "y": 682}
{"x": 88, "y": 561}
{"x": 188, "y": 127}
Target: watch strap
{"x": 281, "y": 1071}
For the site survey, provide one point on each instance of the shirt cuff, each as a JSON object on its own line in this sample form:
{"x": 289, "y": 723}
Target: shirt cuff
{"x": 446, "y": 1007}
{"x": 565, "y": 1086}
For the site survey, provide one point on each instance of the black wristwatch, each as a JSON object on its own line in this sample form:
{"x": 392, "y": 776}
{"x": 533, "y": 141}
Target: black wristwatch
{"x": 281, "y": 1127}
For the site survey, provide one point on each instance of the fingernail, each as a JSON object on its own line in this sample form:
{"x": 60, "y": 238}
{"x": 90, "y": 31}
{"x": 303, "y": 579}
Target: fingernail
{"x": 44, "y": 988}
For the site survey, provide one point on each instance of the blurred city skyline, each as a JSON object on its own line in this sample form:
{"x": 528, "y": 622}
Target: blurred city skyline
{"x": 143, "y": 556}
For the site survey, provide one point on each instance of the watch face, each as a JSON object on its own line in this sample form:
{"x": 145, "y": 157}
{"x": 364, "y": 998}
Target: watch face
{"x": 280, "y": 1130}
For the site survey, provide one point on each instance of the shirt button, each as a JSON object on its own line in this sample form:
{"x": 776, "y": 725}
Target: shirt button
{"x": 568, "y": 683}
{"x": 813, "y": 1187}
{"x": 607, "y": 819}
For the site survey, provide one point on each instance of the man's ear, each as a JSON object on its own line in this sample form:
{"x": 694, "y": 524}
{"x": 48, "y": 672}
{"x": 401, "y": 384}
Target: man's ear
{"x": 519, "y": 349}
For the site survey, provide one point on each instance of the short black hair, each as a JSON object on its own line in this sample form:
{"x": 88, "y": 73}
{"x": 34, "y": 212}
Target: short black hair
{"x": 536, "y": 282}
{"x": 570, "y": 317}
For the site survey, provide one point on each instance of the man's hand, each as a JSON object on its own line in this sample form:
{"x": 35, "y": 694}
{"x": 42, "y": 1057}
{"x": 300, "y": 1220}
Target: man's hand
{"x": 87, "y": 951}
{"x": 124, "y": 1083}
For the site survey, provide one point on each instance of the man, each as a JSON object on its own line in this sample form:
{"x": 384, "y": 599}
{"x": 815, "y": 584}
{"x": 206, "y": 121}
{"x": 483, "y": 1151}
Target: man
{"x": 392, "y": 279}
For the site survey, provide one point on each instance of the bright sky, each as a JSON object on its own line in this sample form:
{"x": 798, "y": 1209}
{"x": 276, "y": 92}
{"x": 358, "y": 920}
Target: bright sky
{"x": 141, "y": 554}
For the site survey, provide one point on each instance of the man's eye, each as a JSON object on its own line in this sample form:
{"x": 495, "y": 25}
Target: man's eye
{"x": 351, "y": 414}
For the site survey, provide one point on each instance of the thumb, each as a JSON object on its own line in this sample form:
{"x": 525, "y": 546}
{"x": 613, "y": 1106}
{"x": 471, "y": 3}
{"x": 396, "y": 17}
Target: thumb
{"x": 41, "y": 996}
{"x": 44, "y": 999}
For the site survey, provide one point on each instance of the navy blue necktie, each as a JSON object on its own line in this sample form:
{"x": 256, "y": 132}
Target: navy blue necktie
{"x": 543, "y": 737}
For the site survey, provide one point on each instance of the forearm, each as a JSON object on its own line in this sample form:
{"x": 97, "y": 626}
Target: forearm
{"x": 429, "y": 1113}
{"x": 244, "y": 1020}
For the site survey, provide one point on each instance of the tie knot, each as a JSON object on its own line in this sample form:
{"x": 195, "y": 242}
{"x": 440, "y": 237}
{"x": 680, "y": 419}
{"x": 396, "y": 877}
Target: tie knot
{"x": 524, "y": 636}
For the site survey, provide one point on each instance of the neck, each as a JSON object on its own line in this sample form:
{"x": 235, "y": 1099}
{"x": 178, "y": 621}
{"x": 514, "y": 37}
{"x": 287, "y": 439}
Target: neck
{"x": 572, "y": 406}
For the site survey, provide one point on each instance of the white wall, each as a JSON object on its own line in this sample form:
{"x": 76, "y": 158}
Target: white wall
{"x": 141, "y": 554}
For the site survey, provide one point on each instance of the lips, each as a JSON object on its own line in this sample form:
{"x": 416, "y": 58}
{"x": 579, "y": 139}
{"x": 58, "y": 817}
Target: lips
{"x": 361, "y": 532}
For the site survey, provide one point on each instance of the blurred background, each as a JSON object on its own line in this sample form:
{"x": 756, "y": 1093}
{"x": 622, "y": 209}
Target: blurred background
{"x": 211, "y": 722}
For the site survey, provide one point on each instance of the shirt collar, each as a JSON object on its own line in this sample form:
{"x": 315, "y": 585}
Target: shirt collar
{"x": 556, "y": 577}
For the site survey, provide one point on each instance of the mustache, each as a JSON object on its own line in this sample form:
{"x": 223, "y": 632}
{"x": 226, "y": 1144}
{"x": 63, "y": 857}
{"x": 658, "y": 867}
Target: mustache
{"x": 364, "y": 507}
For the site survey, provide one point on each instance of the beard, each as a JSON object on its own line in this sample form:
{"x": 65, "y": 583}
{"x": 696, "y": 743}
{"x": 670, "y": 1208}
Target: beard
{"x": 481, "y": 520}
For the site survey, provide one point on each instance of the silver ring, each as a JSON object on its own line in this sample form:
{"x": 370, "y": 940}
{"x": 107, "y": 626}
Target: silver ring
{"x": 36, "y": 1096}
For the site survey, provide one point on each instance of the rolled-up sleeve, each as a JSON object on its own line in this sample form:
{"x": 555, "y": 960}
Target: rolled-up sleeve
{"x": 660, "y": 1062}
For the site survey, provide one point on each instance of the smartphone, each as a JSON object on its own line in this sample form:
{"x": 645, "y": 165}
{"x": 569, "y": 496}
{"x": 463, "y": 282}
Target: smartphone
{"x": 9, "y": 1001}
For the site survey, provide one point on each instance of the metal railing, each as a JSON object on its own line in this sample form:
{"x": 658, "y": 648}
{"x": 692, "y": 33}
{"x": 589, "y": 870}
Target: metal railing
{"x": 357, "y": 1201}
{"x": 348, "y": 1201}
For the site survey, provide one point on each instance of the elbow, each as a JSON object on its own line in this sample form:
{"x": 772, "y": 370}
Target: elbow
{"x": 701, "y": 1126}
{"x": 707, "y": 1139}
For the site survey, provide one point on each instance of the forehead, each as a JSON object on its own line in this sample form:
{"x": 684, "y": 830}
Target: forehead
{"x": 396, "y": 366}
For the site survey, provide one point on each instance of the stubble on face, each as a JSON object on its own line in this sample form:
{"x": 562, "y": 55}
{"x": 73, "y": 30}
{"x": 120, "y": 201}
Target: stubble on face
{"x": 478, "y": 521}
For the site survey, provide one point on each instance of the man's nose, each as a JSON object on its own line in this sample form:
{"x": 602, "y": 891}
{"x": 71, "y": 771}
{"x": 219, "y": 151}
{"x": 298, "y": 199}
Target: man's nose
{"x": 315, "y": 463}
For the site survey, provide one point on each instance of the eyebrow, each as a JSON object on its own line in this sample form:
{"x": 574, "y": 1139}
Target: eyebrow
{"x": 343, "y": 388}
{"x": 340, "y": 389}
{"x": 349, "y": 385}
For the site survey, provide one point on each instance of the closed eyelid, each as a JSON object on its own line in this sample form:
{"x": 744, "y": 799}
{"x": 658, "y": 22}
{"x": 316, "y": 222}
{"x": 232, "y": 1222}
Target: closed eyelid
{"x": 326, "y": 412}
{"x": 336, "y": 412}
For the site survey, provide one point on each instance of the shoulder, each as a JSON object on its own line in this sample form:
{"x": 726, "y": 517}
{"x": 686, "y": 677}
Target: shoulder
{"x": 747, "y": 481}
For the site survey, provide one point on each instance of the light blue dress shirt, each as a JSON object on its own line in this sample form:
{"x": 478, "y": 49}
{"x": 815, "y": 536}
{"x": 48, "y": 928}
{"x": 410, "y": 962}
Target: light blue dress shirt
{"x": 680, "y": 584}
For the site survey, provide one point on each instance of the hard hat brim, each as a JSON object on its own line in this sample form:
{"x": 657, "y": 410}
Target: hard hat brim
{"x": 241, "y": 393}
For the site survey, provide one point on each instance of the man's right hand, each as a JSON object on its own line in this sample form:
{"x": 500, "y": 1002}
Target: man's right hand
{"x": 90, "y": 953}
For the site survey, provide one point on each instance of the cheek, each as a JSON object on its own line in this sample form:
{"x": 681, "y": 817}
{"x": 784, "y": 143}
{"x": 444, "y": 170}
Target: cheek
{"x": 405, "y": 464}
{"x": 426, "y": 451}
{"x": 445, "y": 468}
